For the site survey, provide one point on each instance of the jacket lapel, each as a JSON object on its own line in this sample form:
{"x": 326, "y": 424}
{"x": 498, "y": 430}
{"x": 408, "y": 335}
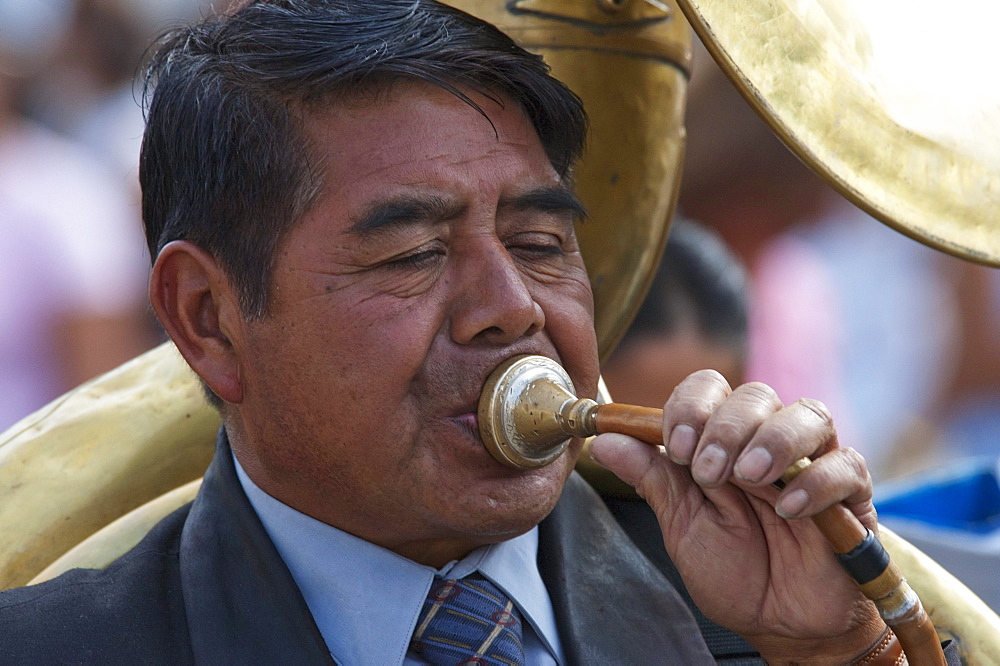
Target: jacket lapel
{"x": 612, "y": 606}
{"x": 242, "y": 604}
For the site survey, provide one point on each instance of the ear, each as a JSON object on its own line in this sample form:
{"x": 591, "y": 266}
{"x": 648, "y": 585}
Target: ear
{"x": 199, "y": 310}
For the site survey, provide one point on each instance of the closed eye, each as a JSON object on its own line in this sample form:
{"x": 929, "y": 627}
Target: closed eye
{"x": 540, "y": 250}
{"x": 417, "y": 259}
{"x": 537, "y": 244}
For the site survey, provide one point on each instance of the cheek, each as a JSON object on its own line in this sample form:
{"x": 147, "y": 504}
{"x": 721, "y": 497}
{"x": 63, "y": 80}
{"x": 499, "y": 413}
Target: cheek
{"x": 334, "y": 348}
{"x": 569, "y": 321}
{"x": 386, "y": 340}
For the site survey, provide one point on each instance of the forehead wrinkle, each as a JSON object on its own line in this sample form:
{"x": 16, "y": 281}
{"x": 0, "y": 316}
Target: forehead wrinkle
{"x": 385, "y": 157}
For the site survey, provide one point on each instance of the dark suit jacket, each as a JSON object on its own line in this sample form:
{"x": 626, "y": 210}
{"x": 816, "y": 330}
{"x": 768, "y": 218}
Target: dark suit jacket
{"x": 207, "y": 586}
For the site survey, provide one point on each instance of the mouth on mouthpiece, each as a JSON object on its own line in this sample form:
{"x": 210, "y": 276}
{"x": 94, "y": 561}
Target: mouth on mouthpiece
{"x": 521, "y": 411}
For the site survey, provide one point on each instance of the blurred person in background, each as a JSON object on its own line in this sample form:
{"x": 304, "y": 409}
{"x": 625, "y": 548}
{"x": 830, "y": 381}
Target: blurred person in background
{"x": 964, "y": 421}
{"x": 844, "y": 308}
{"x": 87, "y": 91}
{"x": 72, "y": 303}
{"x": 694, "y": 316}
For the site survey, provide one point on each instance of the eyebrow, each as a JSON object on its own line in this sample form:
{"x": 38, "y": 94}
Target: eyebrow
{"x": 547, "y": 200}
{"x": 405, "y": 210}
{"x": 408, "y": 210}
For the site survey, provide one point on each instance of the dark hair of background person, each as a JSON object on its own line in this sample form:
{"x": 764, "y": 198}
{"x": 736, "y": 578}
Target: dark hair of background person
{"x": 111, "y": 37}
{"x": 225, "y": 159}
{"x": 699, "y": 280}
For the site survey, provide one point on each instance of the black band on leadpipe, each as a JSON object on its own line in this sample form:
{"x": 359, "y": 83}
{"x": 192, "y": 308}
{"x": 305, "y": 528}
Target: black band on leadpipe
{"x": 867, "y": 561}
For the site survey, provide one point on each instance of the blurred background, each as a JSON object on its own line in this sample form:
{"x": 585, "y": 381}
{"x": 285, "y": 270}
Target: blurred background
{"x": 73, "y": 265}
{"x": 770, "y": 275}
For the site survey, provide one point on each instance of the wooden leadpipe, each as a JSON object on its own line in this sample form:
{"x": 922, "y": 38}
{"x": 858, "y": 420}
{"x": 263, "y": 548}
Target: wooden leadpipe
{"x": 529, "y": 411}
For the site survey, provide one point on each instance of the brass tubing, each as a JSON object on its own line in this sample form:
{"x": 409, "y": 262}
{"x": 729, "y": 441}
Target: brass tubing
{"x": 898, "y": 605}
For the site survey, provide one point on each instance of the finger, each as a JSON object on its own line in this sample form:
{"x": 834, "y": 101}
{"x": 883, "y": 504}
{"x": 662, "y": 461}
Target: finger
{"x": 628, "y": 458}
{"x": 839, "y": 476}
{"x": 728, "y": 431}
{"x": 688, "y": 410}
{"x": 802, "y": 429}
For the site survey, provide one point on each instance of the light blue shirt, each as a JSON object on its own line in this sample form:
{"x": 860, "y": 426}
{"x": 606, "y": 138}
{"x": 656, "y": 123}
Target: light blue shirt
{"x": 365, "y": 599}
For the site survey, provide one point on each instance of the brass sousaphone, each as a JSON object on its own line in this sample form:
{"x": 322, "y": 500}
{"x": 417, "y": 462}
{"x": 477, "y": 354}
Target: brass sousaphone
{"x": 84, "y": 478}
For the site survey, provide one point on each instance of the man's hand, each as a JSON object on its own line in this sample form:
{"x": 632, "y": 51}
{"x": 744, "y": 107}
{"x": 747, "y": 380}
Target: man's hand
{"x": 767, "y": 574}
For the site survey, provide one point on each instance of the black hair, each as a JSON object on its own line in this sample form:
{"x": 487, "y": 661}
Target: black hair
{"x": 699, "y": 281}
{"x": 225, "y": 161}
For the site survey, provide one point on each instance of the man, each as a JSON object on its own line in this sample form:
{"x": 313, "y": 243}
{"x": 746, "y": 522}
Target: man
{"x": 357, "y": 211}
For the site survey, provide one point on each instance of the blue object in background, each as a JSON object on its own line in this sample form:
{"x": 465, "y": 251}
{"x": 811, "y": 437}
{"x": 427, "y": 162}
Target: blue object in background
{"x": 968, "y": 500}
{"x": 954, "y": 517}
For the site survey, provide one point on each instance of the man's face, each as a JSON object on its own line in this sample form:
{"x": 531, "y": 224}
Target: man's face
{"x": 440, "y": 246}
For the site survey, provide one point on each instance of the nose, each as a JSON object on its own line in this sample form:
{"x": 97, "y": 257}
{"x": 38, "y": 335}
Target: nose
{"x": 493, "y": 304}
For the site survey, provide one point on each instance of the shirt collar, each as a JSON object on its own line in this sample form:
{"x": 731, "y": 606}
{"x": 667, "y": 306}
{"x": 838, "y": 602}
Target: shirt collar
{"x": 365, "y": 599}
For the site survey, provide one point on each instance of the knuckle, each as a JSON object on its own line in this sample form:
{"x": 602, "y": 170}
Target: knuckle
{"x": 843, "y": 474}
{"x": 707, "y": 381}
{"x": 726, "y": 430}
{"x": 692, "y": 411}
{"x": 818, "y": 408}
{"x": 779, "y": 435}
{"x": 855, "y": 461}
{"x": 760, "y": 392}
{"x": 714, "y": 377}
{"x": 696, "y": 397}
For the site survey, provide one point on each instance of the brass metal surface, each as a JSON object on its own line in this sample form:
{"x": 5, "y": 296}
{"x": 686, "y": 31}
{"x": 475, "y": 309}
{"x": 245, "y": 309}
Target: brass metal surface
{"x": 520, "y": 410}
{"x": 817, "y": 73}
{"x": 111, "y": 541}
{"x": 95, "y": 454}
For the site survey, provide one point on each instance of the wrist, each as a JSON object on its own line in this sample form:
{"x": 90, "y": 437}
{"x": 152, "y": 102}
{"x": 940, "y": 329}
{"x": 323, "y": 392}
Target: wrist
{"x": 848, "y": 648}
{"x": 887, "y": 651}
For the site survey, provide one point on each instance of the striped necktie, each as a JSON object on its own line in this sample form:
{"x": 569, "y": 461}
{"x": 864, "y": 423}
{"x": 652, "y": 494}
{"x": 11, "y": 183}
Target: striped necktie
{"x": 468, "y": 621}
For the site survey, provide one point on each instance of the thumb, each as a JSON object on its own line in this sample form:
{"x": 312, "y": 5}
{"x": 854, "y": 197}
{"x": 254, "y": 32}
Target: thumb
{"x": 628, "y": 458}
{"x": 665, "y": 485}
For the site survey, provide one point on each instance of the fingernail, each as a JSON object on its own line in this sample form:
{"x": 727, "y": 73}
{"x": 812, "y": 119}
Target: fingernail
{"x": 754, "y": 464}
{"x": 710, "y": 465}
{"x": 792, "y": 504}
{"x": 594, "y": 459}
{"x": 683, "y": 440}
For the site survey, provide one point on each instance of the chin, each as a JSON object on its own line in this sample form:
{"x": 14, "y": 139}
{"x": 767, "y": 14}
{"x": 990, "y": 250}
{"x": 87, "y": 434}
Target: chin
{"x": 497, "y": 526}
{"x": 510, "y": 507}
